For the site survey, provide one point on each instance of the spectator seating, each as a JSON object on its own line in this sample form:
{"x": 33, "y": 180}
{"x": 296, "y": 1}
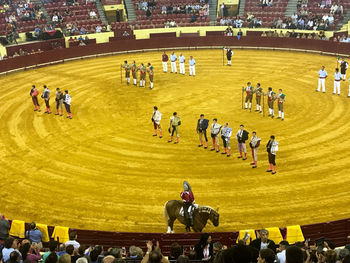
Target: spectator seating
{"x": 77, "y": 15}
{"x": 158, "y": 18}
{"x": 22, "y": 22}
{"x": 314, "y": 8}
{"x": 266, "y": 13}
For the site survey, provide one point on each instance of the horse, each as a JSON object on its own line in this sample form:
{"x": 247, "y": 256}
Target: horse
{"x": 200, "y": 216}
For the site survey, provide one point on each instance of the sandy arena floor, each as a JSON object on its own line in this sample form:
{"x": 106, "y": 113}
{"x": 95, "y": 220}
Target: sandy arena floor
{"x": 104, "y": 170}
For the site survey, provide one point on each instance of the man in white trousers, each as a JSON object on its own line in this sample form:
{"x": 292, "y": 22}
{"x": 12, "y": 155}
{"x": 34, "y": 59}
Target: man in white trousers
{"x": 337, "y": 79}
{"x": 173, "y": 59}
{"x": 165, "y": 59}
{"x": 192, "y": 63}
{"x": 182, "y": 64}
{"x": 322, "y": 75}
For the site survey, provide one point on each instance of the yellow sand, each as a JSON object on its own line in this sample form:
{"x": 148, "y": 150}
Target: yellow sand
{"x": 104, "y": 170}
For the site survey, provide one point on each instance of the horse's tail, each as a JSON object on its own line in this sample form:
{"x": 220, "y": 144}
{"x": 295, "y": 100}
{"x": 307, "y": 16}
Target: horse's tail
{"x": 165, "y": 213}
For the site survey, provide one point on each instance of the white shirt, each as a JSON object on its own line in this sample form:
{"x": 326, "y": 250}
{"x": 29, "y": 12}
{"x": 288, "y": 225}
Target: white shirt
{"x": 75, "y": 244}
{"x": 263, "y": 245}
{"x": 192, "y": 62}
{"x": 282, "y": 256}
{"x": 92, "y": 13}
{"x": 173, "y": 58}
{"x": 181, "y": 59}
{"x": 67, "y": 100}
{"x": 322, "y": 73}
{"x": 55, "y": 18}
{"x": 337, "y": 76}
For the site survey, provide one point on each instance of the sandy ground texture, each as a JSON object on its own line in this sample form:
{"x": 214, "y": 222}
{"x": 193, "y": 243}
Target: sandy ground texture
{"x": 104, "y": 170}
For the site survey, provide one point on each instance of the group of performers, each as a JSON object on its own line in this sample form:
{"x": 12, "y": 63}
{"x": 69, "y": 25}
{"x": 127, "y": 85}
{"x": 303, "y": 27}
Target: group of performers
{"x": 259, "y": 94}
{"x": 182, "y": 61}
{"x": 216, "y": 131}
{"x": 143, "y": 71}
{"x": 61, "y": 99}
{"x": 338, "y": 77}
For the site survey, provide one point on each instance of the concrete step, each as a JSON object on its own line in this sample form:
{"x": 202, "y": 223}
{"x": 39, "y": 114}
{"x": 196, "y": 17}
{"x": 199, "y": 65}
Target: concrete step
{"x": 241, "y": 8}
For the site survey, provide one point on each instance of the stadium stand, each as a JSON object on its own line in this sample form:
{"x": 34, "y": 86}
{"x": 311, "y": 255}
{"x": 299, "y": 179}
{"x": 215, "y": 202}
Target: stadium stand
{"x": 171, "y": 13}
{"x": 317, "y": 238}
{"x": 75, "y": 17}
{"x": 19, "y": 16}
{"x": 310, "y": 15}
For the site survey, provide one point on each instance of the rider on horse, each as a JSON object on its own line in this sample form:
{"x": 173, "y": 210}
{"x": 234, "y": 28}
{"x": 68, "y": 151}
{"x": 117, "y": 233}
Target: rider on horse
{"x": 188, "y": 200}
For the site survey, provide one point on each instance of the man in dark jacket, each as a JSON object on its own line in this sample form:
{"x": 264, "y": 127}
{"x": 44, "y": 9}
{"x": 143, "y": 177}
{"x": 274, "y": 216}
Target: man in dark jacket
{"x": 4, "y": 228}
{"x": 242, "y": 136}
{"x": 202, "y": 126}
{"x": 263, "y": 241}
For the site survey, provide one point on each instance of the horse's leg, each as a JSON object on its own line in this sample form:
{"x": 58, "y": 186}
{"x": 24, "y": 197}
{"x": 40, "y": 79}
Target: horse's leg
{"x": 170, "y": 226}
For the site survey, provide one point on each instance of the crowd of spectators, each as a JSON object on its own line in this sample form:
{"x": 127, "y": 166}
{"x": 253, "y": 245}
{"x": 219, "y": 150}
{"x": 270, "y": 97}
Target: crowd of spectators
{"x": 78, "y": 41}
{"x": 318, "y": 36}
{"x": 261, "y": 250}
{"x": 18, "y": 15}
{"x": 199, "y": 9}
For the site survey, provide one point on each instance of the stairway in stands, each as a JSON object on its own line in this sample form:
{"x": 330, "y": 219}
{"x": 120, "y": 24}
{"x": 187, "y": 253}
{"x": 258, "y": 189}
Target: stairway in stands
{"x": 344, "y": 21}
{"x": 45, "y": 13}
{"x": 130, "y": 10}
{"x": 213, "y": 9}
{"x": 101, "y": 12}
{"x": 241, "y": 8}
{"x": 291, "y": 8}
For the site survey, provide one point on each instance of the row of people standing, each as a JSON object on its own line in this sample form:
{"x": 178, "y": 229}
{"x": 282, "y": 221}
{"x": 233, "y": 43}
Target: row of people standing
{"x": 133, "y": 68}
{"x": 182, "y": 61}
{"x": 259, "y": 94}
{"x": 61, "y": 99}
{"x": 339, "y": 76}
{"x": 216, "y": 131}
{"x": 242, "y": 135}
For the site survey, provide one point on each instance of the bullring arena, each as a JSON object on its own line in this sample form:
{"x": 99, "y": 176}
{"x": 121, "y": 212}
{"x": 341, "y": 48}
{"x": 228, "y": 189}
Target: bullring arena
{"x": 103, "y": 170}
{"x": 108, "y": 147}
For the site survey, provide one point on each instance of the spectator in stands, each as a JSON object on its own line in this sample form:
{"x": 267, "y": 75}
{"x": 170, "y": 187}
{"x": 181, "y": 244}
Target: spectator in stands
{"x": 193, "y": 18}
{"x": 30, "y": 252}
{"x": 281, "y": 255}
{"x": 340, "y": 10}
{"x": 34, "y": 234}
{"x": 51, "y": 258}
{"x": 222, "y": 7}
{"x": 266, "y": 255}
{"x": 83, "y": 31}
{"x": 65, "y": 259}
{"x": 115, "y": 252}
{"x": 239, "y": 34}
{"x": 238, "y": 23}
{"x": 15, "y": 257}
{"x": 134, "y": 253}
{"x": 217, "y": 247}
{"x": 93, "y": 14}
{"x": 98, "y": 29}
{"x": 52, "y": 249}
{"x": 72, "y": 240}
{"x": 228, "y": 32}
{"x": 204, "y": 248}
{"x": 148, "y": 13}
{"x": 55, "y": 18}
{"x": 94, "y": 256}
{"x": 10, "y": 244}
{"x": 263, "y": 241}
{"x": 61, "y": 250}
{"x": 4, "y": 227}
{"x": 175, "y": 251}
{"x": 294, "y": 255}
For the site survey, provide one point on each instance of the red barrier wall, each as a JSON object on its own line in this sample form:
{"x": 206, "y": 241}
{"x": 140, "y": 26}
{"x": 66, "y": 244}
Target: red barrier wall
{"x": 337, "y": 231}
{"x": 43, "y": 45}
{"x": 169, "y": 42}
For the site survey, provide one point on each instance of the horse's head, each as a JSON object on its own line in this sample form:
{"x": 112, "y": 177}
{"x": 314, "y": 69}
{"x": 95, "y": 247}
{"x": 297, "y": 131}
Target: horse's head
{"x": 214, "y": 217}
